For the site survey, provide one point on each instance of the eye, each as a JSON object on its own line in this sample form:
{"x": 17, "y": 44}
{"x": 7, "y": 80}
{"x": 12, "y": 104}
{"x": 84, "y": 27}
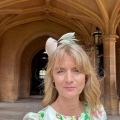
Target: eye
{"x": 60, "y": 71}
{"x": 76, "y": 70}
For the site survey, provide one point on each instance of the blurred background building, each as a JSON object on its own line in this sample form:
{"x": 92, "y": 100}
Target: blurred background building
{"x": 25, "y": 26}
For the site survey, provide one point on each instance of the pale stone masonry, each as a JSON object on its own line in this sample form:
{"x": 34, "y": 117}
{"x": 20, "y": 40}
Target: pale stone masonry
{"x": 25, "y": 26}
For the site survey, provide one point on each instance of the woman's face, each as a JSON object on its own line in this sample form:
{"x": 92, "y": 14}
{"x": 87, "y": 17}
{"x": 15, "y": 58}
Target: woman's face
{"x": 69, "y": 81}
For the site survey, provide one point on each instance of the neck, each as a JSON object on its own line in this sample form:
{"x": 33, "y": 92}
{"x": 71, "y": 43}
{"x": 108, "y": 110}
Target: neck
{"x": 69, "y": 103}
{"x": 69, "y": 107}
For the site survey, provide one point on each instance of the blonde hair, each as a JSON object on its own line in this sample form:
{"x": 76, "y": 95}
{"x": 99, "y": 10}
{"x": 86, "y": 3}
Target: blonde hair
{"x": 91, "y": 92}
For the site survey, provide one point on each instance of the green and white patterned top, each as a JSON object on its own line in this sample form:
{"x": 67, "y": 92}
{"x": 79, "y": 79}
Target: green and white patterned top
{"x": 49, "y": 113}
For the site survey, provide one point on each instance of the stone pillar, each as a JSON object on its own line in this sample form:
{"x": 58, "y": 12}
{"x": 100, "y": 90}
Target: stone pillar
{"x": 118, "y": 75}
{"x": 110, "y": 93}
{"x": 118, "y": 71}
{"x": 8, "y": 80}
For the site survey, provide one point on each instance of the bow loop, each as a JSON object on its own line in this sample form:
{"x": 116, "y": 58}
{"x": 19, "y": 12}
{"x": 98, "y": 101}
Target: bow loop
{"x": 68, "y": 36}
{"x": 51, "y": 44}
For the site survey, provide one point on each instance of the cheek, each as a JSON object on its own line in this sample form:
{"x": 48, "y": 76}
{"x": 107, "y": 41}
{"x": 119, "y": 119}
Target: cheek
{"x": 81, "y": 82}
{"x": 57, "y": 80}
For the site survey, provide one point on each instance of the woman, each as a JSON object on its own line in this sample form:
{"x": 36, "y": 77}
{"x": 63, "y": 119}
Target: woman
{"x": 72, "y": 90}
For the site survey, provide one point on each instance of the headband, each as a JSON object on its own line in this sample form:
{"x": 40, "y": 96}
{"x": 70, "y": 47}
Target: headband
{"x": 52, "y": 44}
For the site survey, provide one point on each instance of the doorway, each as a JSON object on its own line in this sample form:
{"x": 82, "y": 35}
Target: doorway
{"x": 38, "y": 65}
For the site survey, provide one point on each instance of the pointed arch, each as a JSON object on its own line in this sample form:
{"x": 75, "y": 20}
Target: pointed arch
{"x": 114, "y": 17}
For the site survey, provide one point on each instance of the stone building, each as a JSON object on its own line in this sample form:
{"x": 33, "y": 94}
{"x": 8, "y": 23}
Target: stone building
{"x": 26, "y": 24}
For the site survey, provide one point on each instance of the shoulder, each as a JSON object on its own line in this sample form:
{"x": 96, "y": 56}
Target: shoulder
{"x": 98, "y": 114}
{"x": 34, "y": 116}
{"x": 41, "y": 115}
{"x": 31, "y": 116}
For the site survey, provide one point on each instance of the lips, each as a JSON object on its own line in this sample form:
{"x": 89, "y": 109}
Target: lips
{"x": 69, "y": 88}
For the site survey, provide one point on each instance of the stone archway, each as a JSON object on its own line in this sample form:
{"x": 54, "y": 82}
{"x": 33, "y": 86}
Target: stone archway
{"x": 17, "y": 52}
{"x": 24, "y": 56}
{"x": 26, "y": 59}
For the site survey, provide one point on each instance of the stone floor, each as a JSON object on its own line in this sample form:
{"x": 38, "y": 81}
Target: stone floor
{"x": 16, "y": 111}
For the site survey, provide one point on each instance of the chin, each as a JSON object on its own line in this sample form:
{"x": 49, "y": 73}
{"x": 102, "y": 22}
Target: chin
{"x": 71, "y": 95}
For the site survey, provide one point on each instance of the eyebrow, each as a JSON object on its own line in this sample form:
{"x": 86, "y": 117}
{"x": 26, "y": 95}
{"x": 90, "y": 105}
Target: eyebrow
{"x": 57, "y": 68}
{"x": 62, "y": 68}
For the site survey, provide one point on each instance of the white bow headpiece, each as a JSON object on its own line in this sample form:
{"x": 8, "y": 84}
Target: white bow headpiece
{"x": 51, "y": 44}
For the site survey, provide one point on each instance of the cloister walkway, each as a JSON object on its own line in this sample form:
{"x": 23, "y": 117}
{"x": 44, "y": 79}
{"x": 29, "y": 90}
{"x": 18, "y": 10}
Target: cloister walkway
{"x": 16, "y": 111}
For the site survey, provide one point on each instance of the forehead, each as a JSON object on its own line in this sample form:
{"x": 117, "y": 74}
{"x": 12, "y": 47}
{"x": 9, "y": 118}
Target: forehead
{"x": 62, "y": 60}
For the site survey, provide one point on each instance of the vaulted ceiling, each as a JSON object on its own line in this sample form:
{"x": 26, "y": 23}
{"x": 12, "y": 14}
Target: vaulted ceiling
{"x": 82, "y": 16}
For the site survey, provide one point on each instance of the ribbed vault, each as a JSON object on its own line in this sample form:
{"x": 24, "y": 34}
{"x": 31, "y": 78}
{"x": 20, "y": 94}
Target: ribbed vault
{"x": 78, "y": 15}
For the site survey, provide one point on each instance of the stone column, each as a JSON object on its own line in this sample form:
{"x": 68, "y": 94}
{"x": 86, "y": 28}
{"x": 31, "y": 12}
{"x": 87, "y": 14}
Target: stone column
{"x": 118, "y": 71}
{"x": 110, "y": 93}
{"x": 118, "y": 75}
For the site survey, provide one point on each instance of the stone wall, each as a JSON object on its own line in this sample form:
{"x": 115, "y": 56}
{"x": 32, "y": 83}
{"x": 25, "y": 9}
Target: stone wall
{"x": 18, "y": 46}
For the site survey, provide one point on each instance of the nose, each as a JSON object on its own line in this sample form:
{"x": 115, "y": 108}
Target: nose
{"x": 69, "y": 77}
